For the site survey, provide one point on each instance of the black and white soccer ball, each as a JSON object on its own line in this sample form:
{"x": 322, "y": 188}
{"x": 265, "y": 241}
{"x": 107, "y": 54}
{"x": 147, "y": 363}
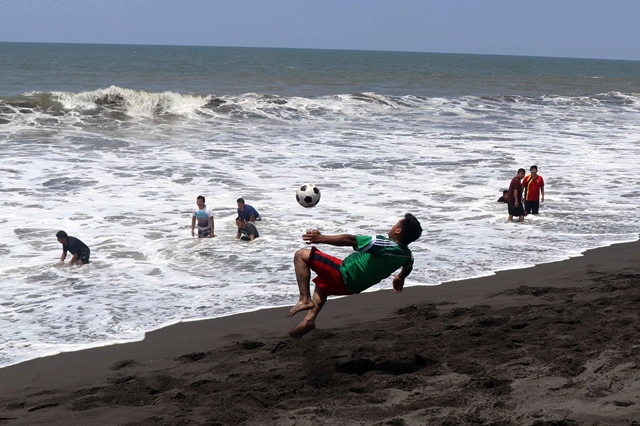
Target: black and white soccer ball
{"x": 308, "y": 195}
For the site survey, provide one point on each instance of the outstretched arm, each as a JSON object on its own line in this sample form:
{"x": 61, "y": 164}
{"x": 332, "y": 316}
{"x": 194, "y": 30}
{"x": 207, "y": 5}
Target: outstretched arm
{"x": 315, "y": 237}
{"x": 398, "y": 281}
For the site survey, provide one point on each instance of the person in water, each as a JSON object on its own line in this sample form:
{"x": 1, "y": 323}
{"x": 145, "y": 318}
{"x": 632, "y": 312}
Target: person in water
{"x": 79, "y": 250}
{"x": 247, "y": 231}
{"x": 203, "y": 216}
{"x": 247, "y": 212}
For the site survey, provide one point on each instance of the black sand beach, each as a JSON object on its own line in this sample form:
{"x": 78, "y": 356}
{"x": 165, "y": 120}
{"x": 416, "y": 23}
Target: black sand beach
{"x": 556, "y": 344}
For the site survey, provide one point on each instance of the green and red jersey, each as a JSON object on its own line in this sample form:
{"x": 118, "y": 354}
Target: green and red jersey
{"x": 376, "y": 258}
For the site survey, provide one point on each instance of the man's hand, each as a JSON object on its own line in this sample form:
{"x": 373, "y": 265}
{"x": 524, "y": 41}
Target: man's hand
{"x": 398, "y": 284}
{"x": 313, "y": 236}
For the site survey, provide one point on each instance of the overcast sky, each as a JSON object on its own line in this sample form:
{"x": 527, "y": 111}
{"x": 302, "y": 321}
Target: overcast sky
{"x": 607, "y": 29}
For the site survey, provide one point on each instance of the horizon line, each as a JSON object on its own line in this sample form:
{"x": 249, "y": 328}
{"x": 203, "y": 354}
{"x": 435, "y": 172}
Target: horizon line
{"x": 319, "y": 48}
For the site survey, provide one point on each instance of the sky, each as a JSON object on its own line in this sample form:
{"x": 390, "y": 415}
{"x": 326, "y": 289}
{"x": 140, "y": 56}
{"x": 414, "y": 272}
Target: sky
{"x": 603, "y": 29}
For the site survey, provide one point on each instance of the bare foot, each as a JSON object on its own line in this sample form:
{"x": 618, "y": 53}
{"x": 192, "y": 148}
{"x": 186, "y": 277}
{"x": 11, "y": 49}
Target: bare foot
{"x": 302, "y": 328}
{"x": 301, "y": 306}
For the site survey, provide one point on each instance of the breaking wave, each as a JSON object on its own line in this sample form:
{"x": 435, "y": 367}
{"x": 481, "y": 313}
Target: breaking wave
{"x": 121, "y": 104}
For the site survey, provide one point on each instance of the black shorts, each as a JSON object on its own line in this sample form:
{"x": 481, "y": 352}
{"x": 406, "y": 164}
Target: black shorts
{"x": 515, "y": 211}
{"x": 84, "y": 256}
{"x": 204, "y": 233}
{"x": 531, "y": 206}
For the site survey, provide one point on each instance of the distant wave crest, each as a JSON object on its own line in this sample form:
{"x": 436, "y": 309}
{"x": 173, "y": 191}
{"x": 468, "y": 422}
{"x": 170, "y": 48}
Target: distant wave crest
{"x": 121, "y": 104}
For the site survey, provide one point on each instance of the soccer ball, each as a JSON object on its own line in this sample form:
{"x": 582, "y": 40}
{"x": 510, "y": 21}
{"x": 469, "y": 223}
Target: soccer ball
{"x": 308, "y": 195}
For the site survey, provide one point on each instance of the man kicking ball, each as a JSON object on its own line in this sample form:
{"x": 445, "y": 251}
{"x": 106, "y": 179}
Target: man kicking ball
{"x": 375, "y": 259}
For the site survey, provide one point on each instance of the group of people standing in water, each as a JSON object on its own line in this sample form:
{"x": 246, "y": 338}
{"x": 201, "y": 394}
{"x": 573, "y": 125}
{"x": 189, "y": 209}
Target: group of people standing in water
{"x": 525, "y": 194}
{"x": 203, "y": 217}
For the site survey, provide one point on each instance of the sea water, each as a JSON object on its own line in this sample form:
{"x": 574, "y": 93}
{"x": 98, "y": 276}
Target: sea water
{"x": 114, "y": 143}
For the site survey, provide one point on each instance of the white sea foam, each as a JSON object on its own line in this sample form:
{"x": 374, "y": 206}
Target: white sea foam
{"x": 121, "y": 169}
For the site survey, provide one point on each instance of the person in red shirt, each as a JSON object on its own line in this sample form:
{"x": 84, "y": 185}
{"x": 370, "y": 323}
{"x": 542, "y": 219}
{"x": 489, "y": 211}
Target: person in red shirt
{"x": 533, "y": 185}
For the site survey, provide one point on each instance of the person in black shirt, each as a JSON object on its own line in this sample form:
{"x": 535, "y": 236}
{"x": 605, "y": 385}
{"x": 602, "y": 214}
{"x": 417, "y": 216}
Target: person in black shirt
{"x": 78, "y": 249}
{"x": 247, "y": 231}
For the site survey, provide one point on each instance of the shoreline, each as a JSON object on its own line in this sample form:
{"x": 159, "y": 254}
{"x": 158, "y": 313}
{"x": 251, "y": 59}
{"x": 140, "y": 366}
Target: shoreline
{"x": 70, "y": 387}
{"x": 171, "y": 324}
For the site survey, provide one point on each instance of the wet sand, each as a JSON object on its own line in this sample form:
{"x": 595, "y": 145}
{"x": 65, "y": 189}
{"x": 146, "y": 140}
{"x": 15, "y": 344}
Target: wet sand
{"x": 556, "y": 344}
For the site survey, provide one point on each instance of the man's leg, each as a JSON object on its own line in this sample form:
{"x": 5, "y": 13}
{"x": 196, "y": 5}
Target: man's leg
{"x": 535, "y": 206}
{"x": 303, "y": 276}
{"x": 83, "y": 259}
{"x": 309, "y": 323}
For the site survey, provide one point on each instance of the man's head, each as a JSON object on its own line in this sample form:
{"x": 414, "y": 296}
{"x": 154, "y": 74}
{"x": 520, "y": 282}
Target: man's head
{"x": 406, "y": 231}
{"x": 240, "y": 222}
{"x": 200, "y": 201}
{"x": 61, "y": 236}
{"x": 534, "y": 170}
{"x": 505, "y": 192}
{"x": 240, "y": 202}
{"x": 521, "y": 173}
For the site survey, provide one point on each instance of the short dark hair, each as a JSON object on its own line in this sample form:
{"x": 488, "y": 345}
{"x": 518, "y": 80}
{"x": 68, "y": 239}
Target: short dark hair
{"x": 411, "y": 229}
{"x": 522, "y": 171}
{"x": 533, "y": 167}
{"x": 61, "y": 234}
{"x": 241, "y": 219}
{"x": 240, "y": 200}
{"x": 200, "y": 197}
{"x": 505, "y": 191}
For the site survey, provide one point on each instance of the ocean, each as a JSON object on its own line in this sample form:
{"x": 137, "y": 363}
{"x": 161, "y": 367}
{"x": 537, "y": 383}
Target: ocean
{"x": 113, "y": 143}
